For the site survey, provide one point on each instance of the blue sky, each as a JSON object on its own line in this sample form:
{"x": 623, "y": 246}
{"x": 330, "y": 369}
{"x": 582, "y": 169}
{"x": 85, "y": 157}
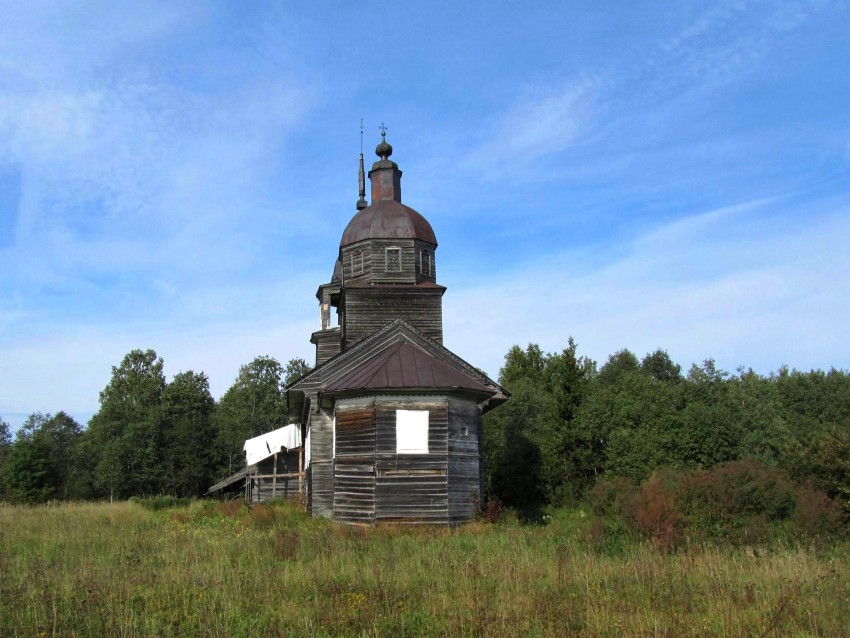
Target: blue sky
{"x": 177, "y": 176}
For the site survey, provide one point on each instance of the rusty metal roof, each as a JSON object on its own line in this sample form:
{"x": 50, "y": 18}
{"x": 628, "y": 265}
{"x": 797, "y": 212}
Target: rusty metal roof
{"x": 387, "y": 219}
{"x": 404, "y": 366}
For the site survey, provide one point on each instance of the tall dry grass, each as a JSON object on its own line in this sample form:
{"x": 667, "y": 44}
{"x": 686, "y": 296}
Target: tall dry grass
{"x": 225, "y": 570}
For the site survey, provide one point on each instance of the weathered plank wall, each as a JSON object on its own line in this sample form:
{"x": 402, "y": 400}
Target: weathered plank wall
{"x": 366, "y": 310}
{"x": 411, "y": 488}
{"x": 354, "y": 464}
{"x": 321, "y": 463}
{"x": 328, "y": 343}
{"x": 366, "y": 262}
{"x": 465, "y": 488}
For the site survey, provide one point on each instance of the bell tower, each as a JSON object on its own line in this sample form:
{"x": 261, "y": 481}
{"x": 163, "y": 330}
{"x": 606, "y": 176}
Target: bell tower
{"x": 386, "y": 267}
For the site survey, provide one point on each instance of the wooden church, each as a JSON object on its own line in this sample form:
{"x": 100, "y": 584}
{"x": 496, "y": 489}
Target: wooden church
{"x": 391, "y": 418}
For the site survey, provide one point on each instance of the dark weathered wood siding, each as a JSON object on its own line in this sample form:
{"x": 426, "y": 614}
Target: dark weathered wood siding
{"x": 367, "y": 310}
{"x": 464, "y": 460}
{"x": 321, "y": 463}
{"x": 411, "y": 488}
{"x": 328, "y": 344}
{"x": 354, "y": 463}
{"x": 366, "y": 262}
{"x": 443, "y": 486}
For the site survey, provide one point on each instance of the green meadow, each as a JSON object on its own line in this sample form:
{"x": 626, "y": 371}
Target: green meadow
{"x": 222, "y": 569}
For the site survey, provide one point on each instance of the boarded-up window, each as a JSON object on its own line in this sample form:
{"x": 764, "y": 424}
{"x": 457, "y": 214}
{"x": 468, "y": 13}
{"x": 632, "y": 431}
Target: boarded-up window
{"x": 423, "y": 263}
{"x": 411, "y": 431}
{"x": 393, "y": 259}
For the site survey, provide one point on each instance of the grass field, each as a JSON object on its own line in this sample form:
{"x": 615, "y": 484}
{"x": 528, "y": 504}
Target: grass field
{"x": 210, "y": 569}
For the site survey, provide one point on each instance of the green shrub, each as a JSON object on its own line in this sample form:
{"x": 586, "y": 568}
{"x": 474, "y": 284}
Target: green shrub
{"x": 742, "y": 503}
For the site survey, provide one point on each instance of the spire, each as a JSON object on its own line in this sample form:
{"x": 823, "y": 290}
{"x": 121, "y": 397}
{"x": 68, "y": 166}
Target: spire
{"x": 361, "y": 180}
{"x": 361, "y": 174}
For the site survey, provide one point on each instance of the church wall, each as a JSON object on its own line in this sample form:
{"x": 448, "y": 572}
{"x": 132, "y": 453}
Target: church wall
{"x": 321, "y": 463}
{"x": 357, "y": 263}
{"x": 424, "y": 273}
{"x": 407, "y": 252}
{"x": 328, "y": 344}
{"x": 411, "y": 488}
{"x": 370, "y": 309}
{"x": 354, "y": 463}
{"x": 366, "y": 262}
{"x": 464, "y": 459}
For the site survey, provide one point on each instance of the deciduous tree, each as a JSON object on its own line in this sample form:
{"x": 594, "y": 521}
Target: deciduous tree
{"x": 127, "y": 430}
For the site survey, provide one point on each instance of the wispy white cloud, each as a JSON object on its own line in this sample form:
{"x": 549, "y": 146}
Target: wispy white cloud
{"x": 126, "y": 171}
{"x": 707, "y": 286}
{"x": 537, "y": 125}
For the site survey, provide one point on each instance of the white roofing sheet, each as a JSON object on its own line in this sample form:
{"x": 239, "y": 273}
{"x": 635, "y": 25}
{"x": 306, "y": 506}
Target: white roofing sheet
{"x": 263, "y": 446}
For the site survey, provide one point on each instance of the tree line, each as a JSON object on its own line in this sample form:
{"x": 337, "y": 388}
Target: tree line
{"x": 148, "y": 437}
{"x": 570, "y": 424}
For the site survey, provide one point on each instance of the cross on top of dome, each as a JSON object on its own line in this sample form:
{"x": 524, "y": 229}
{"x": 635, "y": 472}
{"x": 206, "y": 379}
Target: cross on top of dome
{"x": 384, "y": 149}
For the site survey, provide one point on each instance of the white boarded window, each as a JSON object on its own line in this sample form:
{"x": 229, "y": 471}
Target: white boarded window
{"x": 411, "y": 431}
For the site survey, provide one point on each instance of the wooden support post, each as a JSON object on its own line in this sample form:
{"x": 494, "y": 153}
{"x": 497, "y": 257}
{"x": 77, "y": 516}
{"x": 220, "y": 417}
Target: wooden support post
{"x": 301, "y": 469}
{"x": 274, "y": 478}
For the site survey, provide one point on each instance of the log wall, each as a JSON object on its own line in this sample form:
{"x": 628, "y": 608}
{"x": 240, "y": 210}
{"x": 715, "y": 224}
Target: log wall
{"x": 366, "y": 262}
{"x": 354, "y": 463}
{"x": 465, "y": 477}
{"x": 321, "y": 463}
{"x": 366, "y": 310}
{"x": 411, "y": 488}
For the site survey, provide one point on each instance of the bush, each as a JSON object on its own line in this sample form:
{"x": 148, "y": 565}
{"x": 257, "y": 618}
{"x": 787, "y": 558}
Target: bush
{"x": 742, "y": 502}
{"x": 739, "y": 502}
{"x": 611, "y": 498}
{"x": 657, "y": 511}
{"x": 817, "y": 515}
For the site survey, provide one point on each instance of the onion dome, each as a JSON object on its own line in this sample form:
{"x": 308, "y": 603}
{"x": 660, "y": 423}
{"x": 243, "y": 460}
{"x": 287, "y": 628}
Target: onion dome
{"x": 384, "y": 149}
{"x": 387, "y": 219}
